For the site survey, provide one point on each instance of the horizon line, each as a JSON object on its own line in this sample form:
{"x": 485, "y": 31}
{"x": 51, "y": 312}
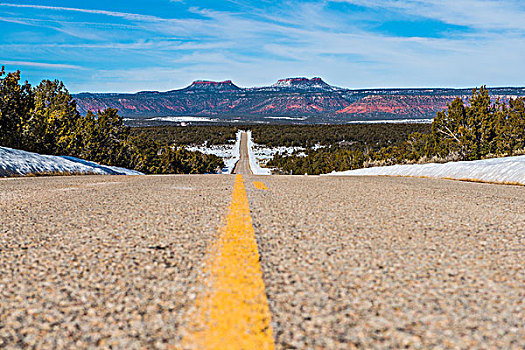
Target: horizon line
{"x": 339, "y": 87}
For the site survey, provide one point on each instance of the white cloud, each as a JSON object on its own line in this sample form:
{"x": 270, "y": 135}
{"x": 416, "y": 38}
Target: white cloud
{"x": 309, "y": 39}
{"x": 40, "y": 64}
{"x": 481, "y": 14}
{"x": 125, "y": 15}
{"x": 159, "y": 45}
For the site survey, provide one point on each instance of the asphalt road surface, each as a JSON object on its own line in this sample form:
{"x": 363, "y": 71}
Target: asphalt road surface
{"x": 332, "y": 263}
{"x": 243, "y": 165}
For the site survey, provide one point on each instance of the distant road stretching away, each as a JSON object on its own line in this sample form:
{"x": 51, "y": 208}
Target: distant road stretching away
{"x": 260, "y": 262}
{"x": 243, "y": 165}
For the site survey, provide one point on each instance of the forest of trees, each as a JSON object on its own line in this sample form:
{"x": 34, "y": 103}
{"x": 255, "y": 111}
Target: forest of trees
{"x": 189, "y": 135}
{"x": 466, "y": 130}
{"x": 44, "y": 119}
{"x": 360, "y": 134}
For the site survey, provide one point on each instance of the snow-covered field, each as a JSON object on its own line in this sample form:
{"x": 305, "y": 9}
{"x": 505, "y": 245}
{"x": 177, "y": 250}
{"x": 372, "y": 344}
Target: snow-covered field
{"x": 229, "y": 153}
{"x": 254, "y": 159}
{"x": 505, "y": 170}
{"x": 16, "y": 162}
{"x": 183, "y": 119}
{"x": 264, "y": 153}
{"x": 261, "y": 154}
{"x": 289, "y": 118}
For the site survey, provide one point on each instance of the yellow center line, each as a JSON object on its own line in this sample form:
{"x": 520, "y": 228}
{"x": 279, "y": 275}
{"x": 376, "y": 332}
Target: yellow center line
{"x": 233, "y": 312}
{"x": 259, "y": 185}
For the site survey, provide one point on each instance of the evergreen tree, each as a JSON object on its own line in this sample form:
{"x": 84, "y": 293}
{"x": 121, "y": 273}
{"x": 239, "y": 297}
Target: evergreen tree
{"x": 481, "y": 123}
{"x": 16, "y": 102}
{"x": 103, "y": 138}
{"x": 510, "y": 128}
{"x": 146, "y": 154}
{"x": 449, "y": 128}
{"x": 51, "y": 126}
{"x": 516, "y": 124}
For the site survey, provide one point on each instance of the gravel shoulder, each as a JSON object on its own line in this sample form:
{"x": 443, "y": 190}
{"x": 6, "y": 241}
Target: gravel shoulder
{"x": 104, "y": 261}
{"x": 375, "y": 262}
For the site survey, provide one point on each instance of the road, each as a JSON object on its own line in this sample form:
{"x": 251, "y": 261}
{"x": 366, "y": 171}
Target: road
{"x": 243, "y": 165}
{"x": 307, "y": 262}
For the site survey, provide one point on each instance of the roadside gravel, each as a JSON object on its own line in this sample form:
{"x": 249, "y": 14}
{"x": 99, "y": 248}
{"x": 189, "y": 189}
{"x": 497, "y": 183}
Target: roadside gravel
{"x": 383, "y": 263}
{"x": 103, "y": 261}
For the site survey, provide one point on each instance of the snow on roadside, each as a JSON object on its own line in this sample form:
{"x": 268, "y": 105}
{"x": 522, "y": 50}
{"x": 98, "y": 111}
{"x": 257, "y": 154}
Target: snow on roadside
{"x": 229, "y": 153}
{"x": 254, "y": 162}
{"x": 236, "y": 154}
{"x": 507, "y": 169}
{"x": 18, "y": 162}
{"x": 263, "y": 153}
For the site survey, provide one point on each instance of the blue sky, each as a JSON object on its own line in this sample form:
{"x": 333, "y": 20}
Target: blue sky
{"x": 132, "y": 45}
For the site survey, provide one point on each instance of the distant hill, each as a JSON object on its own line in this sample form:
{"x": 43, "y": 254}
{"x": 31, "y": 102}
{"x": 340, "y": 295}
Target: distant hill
{"x": 301, "y": 100}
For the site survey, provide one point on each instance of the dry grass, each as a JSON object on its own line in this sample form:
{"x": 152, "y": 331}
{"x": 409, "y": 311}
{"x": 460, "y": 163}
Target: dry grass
{"x": 508, "y": 183}
{"x": 511, "y": 183}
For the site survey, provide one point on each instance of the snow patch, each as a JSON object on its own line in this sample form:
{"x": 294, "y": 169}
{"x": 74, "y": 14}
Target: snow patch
{"x": 288, "y": 118}
{"x": 303, "y": 83}
{"x": 18, "y": 162}
{"x": 264, "y": 153}
{"x": 507, "y": 169}
{"x": 183, "y": 119}
{"x": 254, "y": 162}
{"x": 236, "y": 154}
{"x": 230, "y": 154}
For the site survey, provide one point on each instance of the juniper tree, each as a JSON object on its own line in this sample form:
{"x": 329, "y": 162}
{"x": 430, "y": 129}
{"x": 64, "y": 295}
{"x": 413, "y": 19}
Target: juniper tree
{"x": 16, "y": 102}
{"x": 50, "y": 128}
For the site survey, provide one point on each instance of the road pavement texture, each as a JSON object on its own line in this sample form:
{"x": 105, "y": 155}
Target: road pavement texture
{"x": 301, "y": 262}
{"x": 385, "y": 262}
{"x": 243, "y": 165}
{"x": 104, "y": 260}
